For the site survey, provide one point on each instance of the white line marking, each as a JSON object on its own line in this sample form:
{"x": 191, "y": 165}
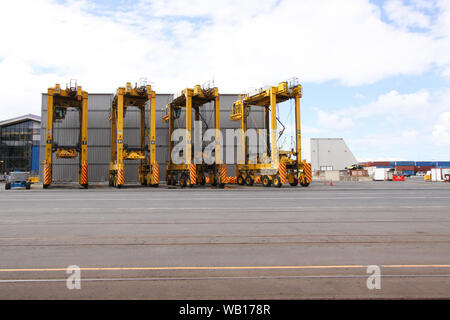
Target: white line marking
{"x": 229, "y": 278}
{"x": 234, "y": 199}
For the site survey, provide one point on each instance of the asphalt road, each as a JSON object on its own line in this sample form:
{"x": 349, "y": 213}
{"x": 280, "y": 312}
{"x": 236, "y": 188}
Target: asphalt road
{"x": 236, "y": 243}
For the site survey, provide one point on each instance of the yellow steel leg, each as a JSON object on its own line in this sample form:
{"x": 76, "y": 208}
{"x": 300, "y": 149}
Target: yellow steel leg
{"x": 119, "y": 154}
{"x": 298, "y": 135}
{"x": 142, "y": 127}
{"x": 143, "y": 168}
{"x": 153, "y": 162}
{"x": 267, "y": 127}
{"x": 218, "y": 132}
{"x": 243, "y": 134}
{"x": 170, "y": 134}
{"x": 188, "y": 155}
{"x": 83, "y": 176}
{"x": 49, "y": 140}
{"x": 113, "y": 145}
{"x": 273, "y": 126}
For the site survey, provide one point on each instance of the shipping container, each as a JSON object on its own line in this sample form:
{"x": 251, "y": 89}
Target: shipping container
{"x": 404, "y": 163}
{"x": 443, "y": 164}
{"x": 423, "y": 168}
{"x": 425, "y": 163}
{"x": 379, "y": 163}
{"x": 402, "y": 168}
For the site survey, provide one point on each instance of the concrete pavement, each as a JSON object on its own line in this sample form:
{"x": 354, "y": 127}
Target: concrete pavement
{"x": 236, "y": 243}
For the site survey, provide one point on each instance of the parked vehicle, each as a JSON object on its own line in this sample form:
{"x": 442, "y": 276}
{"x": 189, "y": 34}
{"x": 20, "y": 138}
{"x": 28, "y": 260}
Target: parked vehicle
{"x": 18, "y": 179}
{"x": 382, "y": 174}
{"x": 355, "y": 167}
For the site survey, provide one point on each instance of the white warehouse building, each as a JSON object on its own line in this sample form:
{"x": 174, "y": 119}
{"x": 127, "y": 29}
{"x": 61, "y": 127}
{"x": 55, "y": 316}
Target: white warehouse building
{"x": 327, "y": 154}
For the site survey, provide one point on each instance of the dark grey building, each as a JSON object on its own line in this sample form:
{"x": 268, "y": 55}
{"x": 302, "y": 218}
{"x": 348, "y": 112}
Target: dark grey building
{"x": 19, "y": 144}
{"x": 66, "y": 132}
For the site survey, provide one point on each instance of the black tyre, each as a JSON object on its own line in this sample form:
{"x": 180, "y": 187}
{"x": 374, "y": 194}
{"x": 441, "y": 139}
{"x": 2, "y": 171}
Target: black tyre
{"x": 276, "y": 181}
{"x": 45, "y": 186}
{"x": 8, "y": 186}
{"x": 266, "y": 181}
{"x": 202, "y": 180}
{"x": 28, "y": 186}
{"x": 303, "y": 181}
{"x": 249, "y": 180}
{"x": 240, "y": 180}
{"x": 294, "y": 183}
{"x": 183, "y": 181}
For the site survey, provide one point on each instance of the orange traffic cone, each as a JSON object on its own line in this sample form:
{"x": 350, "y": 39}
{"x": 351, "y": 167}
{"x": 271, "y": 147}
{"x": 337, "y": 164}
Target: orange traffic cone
{"x": 325, "y": 181}
{"x": 331, "y": 183}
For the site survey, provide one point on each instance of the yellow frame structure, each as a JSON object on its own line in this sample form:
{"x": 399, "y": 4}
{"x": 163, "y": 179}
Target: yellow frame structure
{"x": 188, "y": 173}
{"x": 71, "y": 97}
{"x": 281, "y": 165}
{"x": 148, "y": 168}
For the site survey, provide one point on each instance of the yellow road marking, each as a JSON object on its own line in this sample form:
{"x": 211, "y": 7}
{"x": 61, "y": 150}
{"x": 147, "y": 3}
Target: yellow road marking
{"x": 225, "y": 268}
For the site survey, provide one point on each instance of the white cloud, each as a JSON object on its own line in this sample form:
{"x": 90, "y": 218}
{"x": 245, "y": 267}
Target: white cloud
{"x": 441, "y": 131}
{"x": 395, "y": 124}
{"x": 395, "y": 104}
{"x": 177, "y": 44}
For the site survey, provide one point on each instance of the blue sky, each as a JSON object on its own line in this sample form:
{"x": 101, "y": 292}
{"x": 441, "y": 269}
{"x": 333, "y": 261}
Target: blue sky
{"x": 376, "y": 73}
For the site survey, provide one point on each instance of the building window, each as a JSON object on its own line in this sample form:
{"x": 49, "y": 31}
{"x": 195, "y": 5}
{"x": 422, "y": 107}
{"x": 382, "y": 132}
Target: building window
{"x": 16, "y": 147}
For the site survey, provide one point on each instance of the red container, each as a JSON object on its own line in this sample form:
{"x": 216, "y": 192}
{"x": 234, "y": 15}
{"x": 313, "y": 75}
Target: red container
{"x": 405, "y": 168}
{"x": 379, "y": 163}
{"x": 423, "y": 168}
